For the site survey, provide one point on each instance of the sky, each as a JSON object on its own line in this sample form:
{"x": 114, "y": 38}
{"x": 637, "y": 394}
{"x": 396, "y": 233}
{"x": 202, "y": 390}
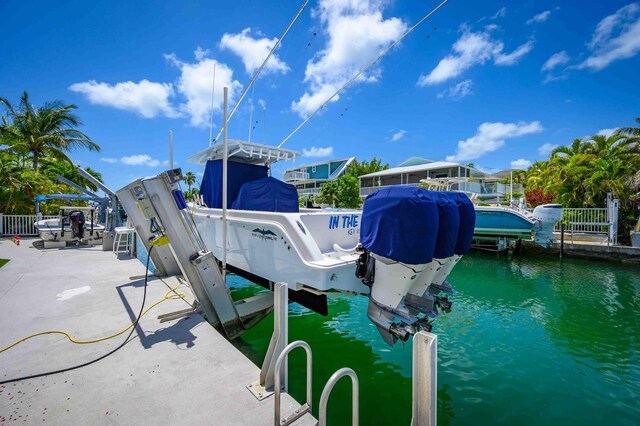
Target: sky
{"x": 495, "y": 83}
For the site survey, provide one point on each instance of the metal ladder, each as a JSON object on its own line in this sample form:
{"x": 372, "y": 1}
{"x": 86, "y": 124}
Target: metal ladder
{"x": 274, "y": 377}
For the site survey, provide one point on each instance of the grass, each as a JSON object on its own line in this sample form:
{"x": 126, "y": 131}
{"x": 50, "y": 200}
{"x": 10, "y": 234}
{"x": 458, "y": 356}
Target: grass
{"x": 3, "y": 262}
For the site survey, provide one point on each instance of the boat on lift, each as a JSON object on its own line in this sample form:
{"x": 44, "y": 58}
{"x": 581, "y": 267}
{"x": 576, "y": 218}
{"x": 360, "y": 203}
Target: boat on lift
{"x": 74, "y": 224}
{"x": 383, "y": 252}
{"x": 507, "y": 224}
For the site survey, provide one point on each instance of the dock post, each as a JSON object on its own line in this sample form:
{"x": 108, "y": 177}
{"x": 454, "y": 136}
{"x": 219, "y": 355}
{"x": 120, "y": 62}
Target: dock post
{"x": 425, "y": 380}
{"x": 265, "y": 385}
{"x": 561, "y": 239}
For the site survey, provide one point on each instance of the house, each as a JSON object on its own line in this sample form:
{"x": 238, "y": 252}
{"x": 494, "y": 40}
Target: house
{"x": 415, "y": 169}
{"x": 308, "y": 179}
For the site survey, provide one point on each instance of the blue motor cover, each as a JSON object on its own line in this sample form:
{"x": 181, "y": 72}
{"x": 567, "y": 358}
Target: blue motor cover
{"x": 467, "y": 221}
{"x": 449, "y": 225}
{"x": 400, "y": 223}
{"x": 268, "y": 195}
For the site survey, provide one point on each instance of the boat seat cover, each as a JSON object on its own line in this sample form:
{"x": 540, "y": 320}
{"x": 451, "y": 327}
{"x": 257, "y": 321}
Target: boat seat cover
{"x": 237, "y": 175}
{"x": 400, "y": 223}
{"x": 448, "y": 225}
{"x": 267, "y": 195}
{"x": 467, "y": 221}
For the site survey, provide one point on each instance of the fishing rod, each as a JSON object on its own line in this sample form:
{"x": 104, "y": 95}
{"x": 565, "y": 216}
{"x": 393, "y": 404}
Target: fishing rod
{"x": 362, "y": 71}
{"x": 264, "y": 63}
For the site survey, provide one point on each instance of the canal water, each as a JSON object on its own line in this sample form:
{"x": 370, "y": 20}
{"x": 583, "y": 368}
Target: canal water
{"x": 529, "y": 341}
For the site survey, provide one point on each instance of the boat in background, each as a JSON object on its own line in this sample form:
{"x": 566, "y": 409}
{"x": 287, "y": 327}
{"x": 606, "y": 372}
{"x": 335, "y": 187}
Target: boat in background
{"x": 73, "y": 225}
{"x": 505, "y": 226}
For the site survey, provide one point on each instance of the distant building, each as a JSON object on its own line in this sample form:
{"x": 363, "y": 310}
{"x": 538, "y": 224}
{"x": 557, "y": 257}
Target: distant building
{"x": 308, "y": 179}
{"x": 413, "y": 170}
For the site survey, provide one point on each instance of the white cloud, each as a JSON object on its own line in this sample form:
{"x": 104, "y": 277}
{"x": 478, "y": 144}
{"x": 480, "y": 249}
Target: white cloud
{"x": 357, "y": 32}
{"x": 555, "y": 60}
{"x": 398, "y": 135}
{"x": 195, "y": 83}
{"x": 317, "y": 152}
{"x": 458, "y": 91}
{"x": 539, "y": 18}
{"x": 253, "y": 51}
{"x": 606, "y": 132}
{"x": 520, "y": 164}
{"x": 473, "y": 48}
{"x": 140, "y": 160}
{"x": 616, "y": 37}
{"x": 545, "y": 149}
{"x": 109, "y": 160}
{"x": 490, "y": 137}
{"x": 513, "y": 57}
{"x": 500, "y": 13}
{"x": 147, "y": 98}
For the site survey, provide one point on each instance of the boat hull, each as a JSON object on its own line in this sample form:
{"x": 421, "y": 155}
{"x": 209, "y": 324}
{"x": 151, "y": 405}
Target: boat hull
{"x": 500, "y": 222}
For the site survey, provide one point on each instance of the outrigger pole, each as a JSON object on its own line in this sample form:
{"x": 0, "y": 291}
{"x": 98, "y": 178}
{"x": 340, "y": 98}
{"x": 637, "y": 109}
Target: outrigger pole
{"x": 264, "y": 63}
{"x": 363, "y": 70}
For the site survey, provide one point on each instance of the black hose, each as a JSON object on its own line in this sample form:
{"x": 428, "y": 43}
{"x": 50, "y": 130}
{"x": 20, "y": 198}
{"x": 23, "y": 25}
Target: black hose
{"x": 135, "y": 323}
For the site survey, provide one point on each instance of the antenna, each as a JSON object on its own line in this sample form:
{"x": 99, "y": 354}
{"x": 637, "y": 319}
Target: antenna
{"x": 251, "y": 112}
{"x": 213, "y": 94}
{"x": 264, "y": 124}
{"x": 255, "y": 76}
{"x": 372, "y": 63}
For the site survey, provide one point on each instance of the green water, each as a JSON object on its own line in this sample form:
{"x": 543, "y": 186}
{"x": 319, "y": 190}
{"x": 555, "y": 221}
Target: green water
{"x": 529, "y": 341}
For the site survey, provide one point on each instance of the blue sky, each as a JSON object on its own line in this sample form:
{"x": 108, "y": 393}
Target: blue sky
{"x": 495, "y": 83}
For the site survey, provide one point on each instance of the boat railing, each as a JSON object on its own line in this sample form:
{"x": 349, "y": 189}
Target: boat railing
{"x": 20, "y": 224}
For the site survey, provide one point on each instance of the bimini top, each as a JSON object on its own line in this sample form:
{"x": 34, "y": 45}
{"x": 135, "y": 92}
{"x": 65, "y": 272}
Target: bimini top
{"x": 244, "y": 152}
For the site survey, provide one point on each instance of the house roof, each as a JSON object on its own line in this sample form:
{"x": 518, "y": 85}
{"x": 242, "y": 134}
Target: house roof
{"x": 414, "y": 161}
{"x": 303, "y": 166}
{"x": 418, "y": 168}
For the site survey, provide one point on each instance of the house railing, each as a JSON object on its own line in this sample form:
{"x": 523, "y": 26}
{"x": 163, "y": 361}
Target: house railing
{"x": 309, "y": 191}
{"x": 293, "y": 176}
{"x": 19, "y": 224}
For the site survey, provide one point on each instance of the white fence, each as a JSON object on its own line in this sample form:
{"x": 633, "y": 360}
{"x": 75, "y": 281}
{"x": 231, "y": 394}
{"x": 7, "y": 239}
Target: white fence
{"x": 585, "y": 220}
{"x": 19, "y": 224}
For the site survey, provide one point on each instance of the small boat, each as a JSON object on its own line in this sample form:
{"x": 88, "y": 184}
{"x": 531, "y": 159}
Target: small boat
{"x": 73, "y": 224}
{"x": 504, "y": 225}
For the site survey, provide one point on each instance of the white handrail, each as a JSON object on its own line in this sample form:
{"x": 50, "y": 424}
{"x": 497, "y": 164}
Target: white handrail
{"x": 355, "y": 395}
{"x": 306, "y": 408}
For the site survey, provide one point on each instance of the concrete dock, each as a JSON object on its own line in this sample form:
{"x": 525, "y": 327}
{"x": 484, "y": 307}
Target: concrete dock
{"x": 178, "y": 372}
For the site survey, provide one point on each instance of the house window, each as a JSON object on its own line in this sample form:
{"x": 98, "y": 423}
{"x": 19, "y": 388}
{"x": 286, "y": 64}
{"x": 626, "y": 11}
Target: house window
{"x": 313, "y": 169}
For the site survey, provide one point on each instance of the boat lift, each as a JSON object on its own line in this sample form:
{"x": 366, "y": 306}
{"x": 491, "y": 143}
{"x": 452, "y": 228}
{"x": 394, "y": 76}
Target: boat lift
{"x": 161, "y": 217}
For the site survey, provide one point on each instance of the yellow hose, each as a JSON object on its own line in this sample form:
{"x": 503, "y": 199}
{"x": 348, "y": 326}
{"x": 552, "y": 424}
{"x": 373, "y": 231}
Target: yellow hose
{"x": 167, "y": 296}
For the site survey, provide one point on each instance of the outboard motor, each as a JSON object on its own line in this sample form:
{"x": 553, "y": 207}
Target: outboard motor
{"x": 463, "y": 244}
{"x": 547, "y": 215}
{"x": 399, "y": 230}
{"x": 76, "y": 222}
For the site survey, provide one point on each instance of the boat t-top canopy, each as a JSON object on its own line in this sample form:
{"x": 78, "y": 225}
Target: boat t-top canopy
{"x": 244, "y": 152}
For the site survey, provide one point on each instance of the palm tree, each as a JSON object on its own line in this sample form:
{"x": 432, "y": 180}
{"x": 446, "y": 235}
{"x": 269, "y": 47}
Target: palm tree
{"x": 189, "y": 178}
{"x": 50, "y": 129}
{"x": 633, "y": 131}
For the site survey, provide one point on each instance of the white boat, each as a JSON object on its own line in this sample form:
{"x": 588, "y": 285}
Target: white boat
{"x": 73, "y": 224}
{"x": 384, "y": 251}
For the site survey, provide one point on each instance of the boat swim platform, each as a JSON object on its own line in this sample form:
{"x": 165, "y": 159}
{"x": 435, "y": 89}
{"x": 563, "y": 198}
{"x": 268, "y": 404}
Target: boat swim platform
{"x": 178, "y": 372}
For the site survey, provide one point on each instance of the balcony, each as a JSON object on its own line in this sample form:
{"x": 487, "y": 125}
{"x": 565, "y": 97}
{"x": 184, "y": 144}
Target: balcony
{"x": 295, "y": 176}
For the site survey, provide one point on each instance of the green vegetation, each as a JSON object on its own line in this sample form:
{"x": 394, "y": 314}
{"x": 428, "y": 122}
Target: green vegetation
{"x": 582, "y": 173}
{"x": 192, "y": 193}
{"x": 3, "y": 262}
{"x": 345, "y": 191}
{"x": 34, "y": 143}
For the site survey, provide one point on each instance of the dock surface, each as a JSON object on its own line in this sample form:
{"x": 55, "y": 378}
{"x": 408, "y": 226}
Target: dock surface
{"x": 177, "y": 372}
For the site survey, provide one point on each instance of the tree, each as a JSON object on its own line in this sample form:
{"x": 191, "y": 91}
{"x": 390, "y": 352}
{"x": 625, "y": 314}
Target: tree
{"x": 358, "y": 169}
{"x": 633, "y": 131}
{"x": 48, "y": 130}
{"x": 189, "y": 178}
